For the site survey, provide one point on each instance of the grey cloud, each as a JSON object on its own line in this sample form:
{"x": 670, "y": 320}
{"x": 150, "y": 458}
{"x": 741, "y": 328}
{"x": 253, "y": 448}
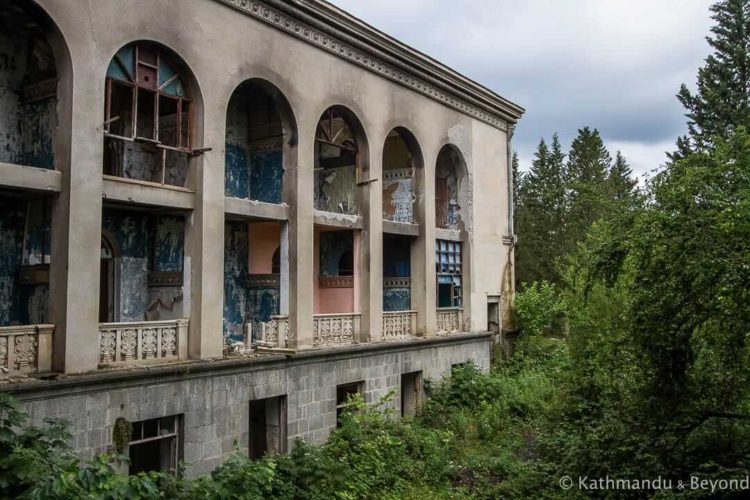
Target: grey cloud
{"x": 615, "y": 65}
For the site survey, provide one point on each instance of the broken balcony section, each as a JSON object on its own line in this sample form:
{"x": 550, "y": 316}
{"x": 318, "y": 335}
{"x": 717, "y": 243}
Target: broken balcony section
{"x": 336, "y": 320}
{"x": 252, "y": 286}
{"x": 449, "y": 271}
{"x": 399, "y": 319}
{"x": 25, "y": 332}
{"x": 28, "y": 87}
{"x": 148, "y": 116}
{"x": 143, "y": 308}
{"x": 254, "y": 139}
{"x": 399, "y": 179}
{"x": 337, "y": 160}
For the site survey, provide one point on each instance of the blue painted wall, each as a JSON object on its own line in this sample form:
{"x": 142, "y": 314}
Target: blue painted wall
{"x": 22, "y": 304}
{"x": 242, "y": 303}
{"x": 236, "y": 258}
{"x": 252, "y": 171}
{"x": 396, "y": 299}
{"x": 132, "y": 233}
{"x": 11, "y": 240}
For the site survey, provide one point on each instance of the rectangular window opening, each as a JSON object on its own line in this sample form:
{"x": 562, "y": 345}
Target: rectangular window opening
{"x": 156, "y": 445}
{"x": 343, "y": 393}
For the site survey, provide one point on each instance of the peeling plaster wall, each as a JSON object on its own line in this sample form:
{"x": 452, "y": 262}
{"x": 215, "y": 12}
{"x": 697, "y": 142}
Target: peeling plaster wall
{"x": 26, "y": 128}
{"x": 11, "y": 238}
{"x": 253, "y": 170}
{"x": 236, "y": 258}
{"x": 398, "y": 181}
{"x": 22, "y": 304}
{"x": 336, "y": 190}
{"x": 131, "y": 233}
{"x": 248, "y": 250}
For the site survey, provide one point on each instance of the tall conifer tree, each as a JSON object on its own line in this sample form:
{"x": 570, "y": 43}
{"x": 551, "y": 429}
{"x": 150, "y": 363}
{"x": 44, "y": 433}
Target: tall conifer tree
{"x": 722, "y": 100}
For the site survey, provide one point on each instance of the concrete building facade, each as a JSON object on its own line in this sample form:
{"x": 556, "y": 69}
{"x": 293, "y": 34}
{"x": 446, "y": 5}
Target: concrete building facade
{"x": 220, "y": 217}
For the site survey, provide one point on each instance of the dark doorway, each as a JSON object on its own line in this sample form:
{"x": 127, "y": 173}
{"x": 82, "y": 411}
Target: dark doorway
{"x": 411, "y": 393}
{"x": 267, "y": 427}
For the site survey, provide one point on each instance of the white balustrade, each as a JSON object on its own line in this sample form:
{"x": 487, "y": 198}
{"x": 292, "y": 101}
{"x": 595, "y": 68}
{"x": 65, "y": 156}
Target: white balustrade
{"x": 331, "y": 330}
{"x": 274, "y": 333}
{"x": 142, "y": 342}
{"x": 399, "y": 325}
{"x": 26, "y": 349}
{"x": 449, "y": 320}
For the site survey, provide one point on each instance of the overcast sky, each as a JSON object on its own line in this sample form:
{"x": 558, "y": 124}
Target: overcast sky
{"x": 615, "y": 65}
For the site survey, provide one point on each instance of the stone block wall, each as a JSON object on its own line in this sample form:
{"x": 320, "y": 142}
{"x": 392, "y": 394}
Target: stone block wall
{"x": 214, "y": 398}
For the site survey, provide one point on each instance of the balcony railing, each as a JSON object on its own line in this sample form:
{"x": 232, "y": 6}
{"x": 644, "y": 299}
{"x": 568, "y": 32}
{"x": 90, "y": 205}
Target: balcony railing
{"x": 449, "y": 320}
{"x": 399, "y": 325}
{"x": 142, "y": 342}
{"x": 274, "y": 333}
{"x": 26, "y": 349}
{"x": 331, "y": 330}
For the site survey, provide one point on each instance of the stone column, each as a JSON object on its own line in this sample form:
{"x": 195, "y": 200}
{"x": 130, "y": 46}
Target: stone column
{"x": 77, "y": 217}
{"x": 298, "y": 194}
{"x": 370, "y": 188}
{"x": 204, "y": 236}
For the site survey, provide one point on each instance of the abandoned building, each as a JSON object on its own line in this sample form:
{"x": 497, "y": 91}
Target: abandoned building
{"x": 220, "y": 218}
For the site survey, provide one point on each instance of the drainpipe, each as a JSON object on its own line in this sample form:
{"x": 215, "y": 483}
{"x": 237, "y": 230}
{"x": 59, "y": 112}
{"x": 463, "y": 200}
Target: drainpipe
{"x": 511, "y": 229}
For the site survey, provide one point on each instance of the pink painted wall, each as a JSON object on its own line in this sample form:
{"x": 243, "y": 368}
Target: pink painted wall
{"x": 333, "y": 300}
{"x": 264, "y": 238}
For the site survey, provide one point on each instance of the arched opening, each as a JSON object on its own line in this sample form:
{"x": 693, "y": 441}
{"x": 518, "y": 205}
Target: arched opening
{"x": 28, "y": 86}
{"x": 401, "y": 159}
{"x": 452, "y": 213}
{"x": 149, "y": 116}
{"x": 107, "y": 285}
{"x": 450, "y": 197}
{"x": 259, "y": 124}
{"x": 337, "y": 161}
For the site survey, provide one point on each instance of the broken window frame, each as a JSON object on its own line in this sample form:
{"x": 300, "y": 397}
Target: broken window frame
{"x": 451, "y": 267}
{"x": 175, "y": 435}
{"x": 324, "y": 135}
{"x": 183, "y": 130}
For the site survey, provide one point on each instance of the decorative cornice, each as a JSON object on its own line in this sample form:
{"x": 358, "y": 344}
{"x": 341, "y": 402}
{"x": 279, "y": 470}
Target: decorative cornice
{"x": 336, "y": 32}
{"x": 336, "y": 282}
{"x": 262, "y": 281}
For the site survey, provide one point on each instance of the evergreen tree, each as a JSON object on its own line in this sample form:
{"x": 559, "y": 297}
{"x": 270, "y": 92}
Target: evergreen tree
{"x": 540, "y": 215}
{"x": 621, "y": 182}
{"x": 517, "y": 179}
{"x": 721, "y": 103}
{"x": 587, "y": 187}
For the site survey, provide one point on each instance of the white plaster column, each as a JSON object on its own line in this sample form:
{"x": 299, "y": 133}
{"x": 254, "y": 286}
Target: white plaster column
{"x": 370, "y": 186}
{"x": 423, "y": 250}
{"x": 298, "y": 194}
{"x": 204, "y": 236}
{"x": 77, "y": 216}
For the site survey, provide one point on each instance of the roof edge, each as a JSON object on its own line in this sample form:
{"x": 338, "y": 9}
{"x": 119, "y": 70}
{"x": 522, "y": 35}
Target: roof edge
{"x": 334, "y": 30}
